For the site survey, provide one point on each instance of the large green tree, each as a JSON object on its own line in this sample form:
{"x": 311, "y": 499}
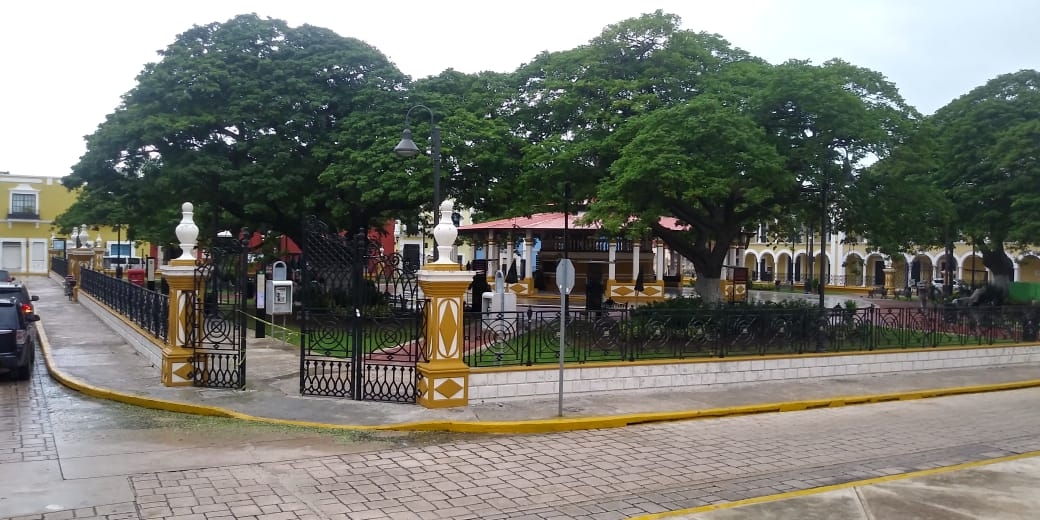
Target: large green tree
{"x": 481, "y": 151}
{"x": 829, "y": 121}
{"x": 707, "y": 163}
{"x": 568, "y": 105}
{"x": 989, "y": 171}
{"x": 256, "y": 123}
{"x": 900, "y": 189}
{"x": 759, "y": 144}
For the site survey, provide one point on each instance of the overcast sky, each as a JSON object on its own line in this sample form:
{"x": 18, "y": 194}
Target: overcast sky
{"x": 64, "y": 65}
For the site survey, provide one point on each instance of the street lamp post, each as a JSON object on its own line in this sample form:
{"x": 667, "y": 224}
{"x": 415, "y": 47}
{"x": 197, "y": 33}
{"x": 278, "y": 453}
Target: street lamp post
{"x": 119, "y": 252}
{"x": 824, "y": 264}
{"x": 406, "y": 148}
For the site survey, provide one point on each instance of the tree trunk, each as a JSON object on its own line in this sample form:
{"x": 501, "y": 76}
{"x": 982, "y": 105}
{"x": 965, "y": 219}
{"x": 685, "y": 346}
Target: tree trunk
{"x": 1000, "y": 265}
{"x": 708, "y": 288}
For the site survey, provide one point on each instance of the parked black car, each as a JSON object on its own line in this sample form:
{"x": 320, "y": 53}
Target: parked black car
{"x": 17, "y": 338}
{"x": 20, "y": 292}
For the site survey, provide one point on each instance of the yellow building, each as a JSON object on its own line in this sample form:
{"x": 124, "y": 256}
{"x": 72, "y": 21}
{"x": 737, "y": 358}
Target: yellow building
{"x": 850, "y": 262}
{"x": 32, "y": 204}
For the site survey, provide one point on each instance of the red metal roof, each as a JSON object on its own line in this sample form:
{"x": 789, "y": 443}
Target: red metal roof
{"x": 286, "y": 246}
{"x": 547, "y": 221}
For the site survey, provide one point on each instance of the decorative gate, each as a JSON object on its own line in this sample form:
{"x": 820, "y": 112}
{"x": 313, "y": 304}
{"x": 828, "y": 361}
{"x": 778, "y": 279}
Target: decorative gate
{"x": 362, "y": 319}
{"x": 219, "y": 344}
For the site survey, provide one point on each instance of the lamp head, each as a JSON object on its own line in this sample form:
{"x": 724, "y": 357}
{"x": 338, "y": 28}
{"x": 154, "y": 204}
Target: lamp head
{"x": 406, "y": 148}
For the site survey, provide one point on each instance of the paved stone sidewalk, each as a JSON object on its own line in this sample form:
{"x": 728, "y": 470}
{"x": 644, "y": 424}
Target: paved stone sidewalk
{"x": 603, "y": 474}
{"x": 594, "y": 474}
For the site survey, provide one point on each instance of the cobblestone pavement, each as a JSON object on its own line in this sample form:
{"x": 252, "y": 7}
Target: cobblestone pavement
{"x": 25, "y": 428}
{"x": 598, "y": 474}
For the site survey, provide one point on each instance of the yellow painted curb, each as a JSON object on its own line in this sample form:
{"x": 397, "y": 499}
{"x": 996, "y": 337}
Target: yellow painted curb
{"x": 832, "y": 487}
{"x": 522, "y": 426}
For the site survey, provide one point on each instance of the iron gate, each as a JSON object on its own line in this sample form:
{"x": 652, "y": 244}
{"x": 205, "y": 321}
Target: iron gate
{"x": 219, "y": 343}
{"x": 361, "y": 318}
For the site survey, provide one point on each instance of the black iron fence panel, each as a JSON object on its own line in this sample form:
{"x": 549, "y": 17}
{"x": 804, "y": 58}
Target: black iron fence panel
{"x": 149, "y": 310}
{"x": 531, "y": 336}
{"x": 361, "y": 318}
{"x": 60, "y": 266}
{"x": 393, "y": 342}
{"x": 221, "y": 282}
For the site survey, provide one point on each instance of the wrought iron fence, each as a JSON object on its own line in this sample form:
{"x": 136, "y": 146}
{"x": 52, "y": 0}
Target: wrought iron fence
{"x": 148, "y": 309}
{"x": 60, "y": 266}
{"x": 531, "y": 336}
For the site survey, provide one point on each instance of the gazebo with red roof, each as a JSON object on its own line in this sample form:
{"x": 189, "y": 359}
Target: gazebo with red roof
{"x": 615, "y": 264}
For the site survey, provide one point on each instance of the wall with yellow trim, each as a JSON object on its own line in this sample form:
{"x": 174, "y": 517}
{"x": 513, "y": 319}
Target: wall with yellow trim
{"x": 488, "y": 384}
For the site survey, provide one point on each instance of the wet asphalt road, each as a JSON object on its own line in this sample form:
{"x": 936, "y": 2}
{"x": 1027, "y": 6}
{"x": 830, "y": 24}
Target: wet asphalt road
{"x": 64, "y": 455}
{"x": 61, "y": 450}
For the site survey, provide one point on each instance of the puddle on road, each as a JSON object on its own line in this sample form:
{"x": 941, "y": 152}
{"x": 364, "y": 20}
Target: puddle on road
{"x": 77, "y": 418}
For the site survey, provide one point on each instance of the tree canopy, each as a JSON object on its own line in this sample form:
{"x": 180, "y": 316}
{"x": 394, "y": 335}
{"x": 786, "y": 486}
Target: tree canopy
{"x": 260, "y": 125}
{"x": 256, "y": 123}
{"x": 970, "y": 173}
{"x": 989, "y": 151}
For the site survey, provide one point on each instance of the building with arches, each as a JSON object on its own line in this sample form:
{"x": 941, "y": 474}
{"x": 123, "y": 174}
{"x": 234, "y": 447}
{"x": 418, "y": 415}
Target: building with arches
{"x": 850, "y": 262}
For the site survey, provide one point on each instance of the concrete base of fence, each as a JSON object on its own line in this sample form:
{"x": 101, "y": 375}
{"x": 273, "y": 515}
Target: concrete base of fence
{"x": 488, "y": 384}
{"x": 150, "y": 350}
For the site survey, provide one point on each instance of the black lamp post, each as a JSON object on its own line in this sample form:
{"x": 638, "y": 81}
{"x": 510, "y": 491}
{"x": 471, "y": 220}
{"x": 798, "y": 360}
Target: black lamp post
{"x": 810, "y": 260}
{"x": 406, "y": 148}
{"x": 824, "y": 264}
{"x": 119, "y": 252}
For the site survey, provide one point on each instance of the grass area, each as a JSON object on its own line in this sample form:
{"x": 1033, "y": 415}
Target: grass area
{"x": 338, "y": 341}
{"x": 540, "y": 346}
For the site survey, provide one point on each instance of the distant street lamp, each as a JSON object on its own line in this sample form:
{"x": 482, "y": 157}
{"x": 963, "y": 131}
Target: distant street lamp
{"x": 406, "y": 148}
{"x": 119, "y": 252}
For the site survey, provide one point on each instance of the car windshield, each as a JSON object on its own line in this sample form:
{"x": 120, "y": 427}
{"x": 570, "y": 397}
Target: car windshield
{"x": 12, "y": 291}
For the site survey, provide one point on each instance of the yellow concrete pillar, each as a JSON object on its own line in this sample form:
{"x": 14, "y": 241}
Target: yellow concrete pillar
{"x": 184, "y": 324}
{"x": 52, "y": 253}
{"x": 890, "y": 279}
{"x": 732, "y": 292}
{"x": 99, "y": 256}
{"x": 444, "y": 376}
{"x": 79, "y": 257}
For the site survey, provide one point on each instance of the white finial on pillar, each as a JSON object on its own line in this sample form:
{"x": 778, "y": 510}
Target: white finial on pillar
{"x": 187, "y": 232}
{"x": 83, "y": 236}
{"x": 445, "y": 234}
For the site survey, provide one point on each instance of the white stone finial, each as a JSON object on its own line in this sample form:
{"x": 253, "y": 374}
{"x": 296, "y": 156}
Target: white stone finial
{"x": 187, "y": 232}
{"x": 445, "y": 234}
{"x": 97, "y": 241}
{"x": 83, "y": 235}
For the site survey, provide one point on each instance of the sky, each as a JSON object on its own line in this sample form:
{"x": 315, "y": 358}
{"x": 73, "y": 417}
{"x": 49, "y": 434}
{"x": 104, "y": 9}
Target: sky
{"x": 65, "y": 65}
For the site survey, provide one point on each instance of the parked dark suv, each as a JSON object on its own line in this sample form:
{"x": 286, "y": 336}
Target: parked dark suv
{"x": 19, "y": 292}
{"x": 17, "y": 338}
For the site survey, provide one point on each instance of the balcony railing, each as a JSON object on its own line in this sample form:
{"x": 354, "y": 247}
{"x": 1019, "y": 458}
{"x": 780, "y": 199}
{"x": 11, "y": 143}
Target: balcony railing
{"x": 23, "y": 215}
